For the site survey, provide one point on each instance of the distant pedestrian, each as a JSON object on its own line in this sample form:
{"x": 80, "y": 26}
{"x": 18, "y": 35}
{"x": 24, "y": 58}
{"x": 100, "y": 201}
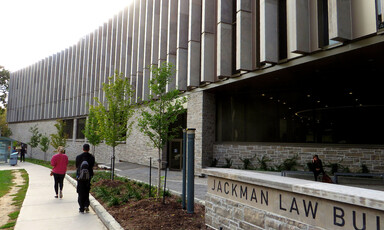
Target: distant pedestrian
{"x": 317, "y": 166}
{"x": 59, "y": 162}
{"x": 84, "y": 174}
{"x": 23, "y": 151}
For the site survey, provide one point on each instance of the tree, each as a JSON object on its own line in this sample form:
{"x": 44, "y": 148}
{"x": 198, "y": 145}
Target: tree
{"x": 164, "y": 108}
{"x": 44, "y": 145}
{"x": 59, "y": 138}
{"x": 35, "y": 138}
{"x": 114, "y": 113}
{"x": 5, "y": 131}
{"x": 91, "y": 130}
{"x": 4, "y": 86}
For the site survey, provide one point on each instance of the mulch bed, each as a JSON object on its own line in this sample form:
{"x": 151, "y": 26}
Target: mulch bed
{"x": 151, "y": 213}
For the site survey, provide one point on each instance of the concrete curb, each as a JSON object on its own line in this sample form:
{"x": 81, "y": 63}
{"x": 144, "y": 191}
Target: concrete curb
{"x": 100, "y": 211}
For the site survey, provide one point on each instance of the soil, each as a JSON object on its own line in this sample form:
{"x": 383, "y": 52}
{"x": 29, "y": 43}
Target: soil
{"x": 151, "y": 214}
{"x": 6, "y": 201}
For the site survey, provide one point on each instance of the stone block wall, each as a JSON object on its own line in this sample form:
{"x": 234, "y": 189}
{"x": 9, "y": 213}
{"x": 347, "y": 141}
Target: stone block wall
{"x": 201, "y": 116}
{"x": 351, "y": 157}
{"x": 230, "y": 215}
{"x": 244, "y": 200}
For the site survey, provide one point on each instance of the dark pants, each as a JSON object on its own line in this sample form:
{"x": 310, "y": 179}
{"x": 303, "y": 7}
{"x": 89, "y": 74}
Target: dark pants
{"x": 59, "y": 181}
{"x": 83, "y": 188}
{"x": 317, "y": 173}
{"x": 22, "y": 157}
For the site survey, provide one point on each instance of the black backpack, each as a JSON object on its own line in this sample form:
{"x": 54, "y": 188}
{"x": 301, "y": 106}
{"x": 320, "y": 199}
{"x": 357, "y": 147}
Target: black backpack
{"x": 84, "y": 171}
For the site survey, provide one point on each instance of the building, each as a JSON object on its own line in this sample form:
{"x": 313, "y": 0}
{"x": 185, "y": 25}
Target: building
{"x": 264, "y": 77}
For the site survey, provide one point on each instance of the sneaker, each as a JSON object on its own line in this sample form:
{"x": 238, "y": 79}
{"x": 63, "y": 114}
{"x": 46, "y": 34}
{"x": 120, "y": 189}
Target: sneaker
{"x": 61, "y": 194}
{"x": 86, "y": 209}
{"x": 56, "y": 196}
{"x": 81, "y": 211}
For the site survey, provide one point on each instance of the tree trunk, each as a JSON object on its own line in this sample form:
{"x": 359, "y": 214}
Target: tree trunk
{"x": 159, "y": 175}
{"x": 113, "y": 163}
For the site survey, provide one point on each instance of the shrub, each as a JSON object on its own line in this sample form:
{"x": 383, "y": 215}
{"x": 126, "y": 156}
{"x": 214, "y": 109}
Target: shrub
{"x": 263, "y": 162}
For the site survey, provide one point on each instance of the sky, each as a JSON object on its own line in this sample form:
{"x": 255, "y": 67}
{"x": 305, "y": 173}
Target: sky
{"x": 31, "y": 30}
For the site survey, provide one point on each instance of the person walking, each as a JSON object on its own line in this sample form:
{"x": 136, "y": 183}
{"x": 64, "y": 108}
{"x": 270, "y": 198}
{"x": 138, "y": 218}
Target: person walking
{"x": 59, "y": 162}
{"x": 84, "y": 174}
{"x": 23, "y": 151}
{"x": 317, "y": 166}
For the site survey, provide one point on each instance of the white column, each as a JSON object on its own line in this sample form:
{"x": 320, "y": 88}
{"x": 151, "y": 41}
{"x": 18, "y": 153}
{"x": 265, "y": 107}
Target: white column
{"x": 172, "y": 39}
{"x": 269, "y": 31}
{"x": 135, "y": 42}
{"x": 208, "y": 53}
{"x": 123, "y": 39}
{"x": 155, "y": 36}
{"x": 194, "y": 34}
{"x": 128, "y": 56}
{"x": 182, "y": 46}
{"x": 163, "y": 31}
{"x": 102, "y": 75}
{"x": 118, "y": 42}
{"x": 340, "y": 20}
{"x": 140, "y": 51}
{"x": 147, "y": 48}
{"x": 244, "y": 36}
{"x": 224, "y": 38}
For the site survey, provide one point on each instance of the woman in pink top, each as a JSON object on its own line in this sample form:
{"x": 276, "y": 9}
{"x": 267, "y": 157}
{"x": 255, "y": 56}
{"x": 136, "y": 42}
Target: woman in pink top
{"x": 59, "y": 162}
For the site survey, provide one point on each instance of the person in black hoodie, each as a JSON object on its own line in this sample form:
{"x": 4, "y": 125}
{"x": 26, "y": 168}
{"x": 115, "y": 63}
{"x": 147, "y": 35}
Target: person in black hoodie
{"x": 317, "y": 166}
{"x": 84, "y": 186}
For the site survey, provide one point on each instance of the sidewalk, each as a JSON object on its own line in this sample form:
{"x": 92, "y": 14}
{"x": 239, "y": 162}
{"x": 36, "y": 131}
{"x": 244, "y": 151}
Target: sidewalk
{"x": 40, "y": 210}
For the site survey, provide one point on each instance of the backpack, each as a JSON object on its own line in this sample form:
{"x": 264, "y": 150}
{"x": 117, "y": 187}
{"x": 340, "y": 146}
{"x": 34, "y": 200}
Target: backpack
{"x": 84, "y": 171}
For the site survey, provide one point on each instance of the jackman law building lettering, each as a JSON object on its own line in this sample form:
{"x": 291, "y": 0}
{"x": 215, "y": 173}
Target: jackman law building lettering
{"x": 314, "y": 207}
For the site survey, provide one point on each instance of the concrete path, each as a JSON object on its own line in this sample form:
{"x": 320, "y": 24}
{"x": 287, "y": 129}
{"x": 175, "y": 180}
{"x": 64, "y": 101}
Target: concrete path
{"x": 41, "y": 210}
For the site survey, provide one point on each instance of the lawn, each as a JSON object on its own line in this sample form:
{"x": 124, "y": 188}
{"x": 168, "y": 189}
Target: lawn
{"x": 5, "y": 181}
{"x": 6, "y": 185}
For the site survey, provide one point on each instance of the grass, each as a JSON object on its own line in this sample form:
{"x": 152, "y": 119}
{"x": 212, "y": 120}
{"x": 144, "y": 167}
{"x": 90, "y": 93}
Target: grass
{"x": 18, "y": 197}
{"x": 46, "y": 163}
{"x": 5, "y": 182}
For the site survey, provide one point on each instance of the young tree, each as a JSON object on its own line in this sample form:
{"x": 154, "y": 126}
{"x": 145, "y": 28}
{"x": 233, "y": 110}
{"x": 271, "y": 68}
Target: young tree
{"x": 91, "y": 130}
{"x": 44, "y": 145}
{"x": 59, "y": 138}
{"x": 35, "y": 138}
{"x": 4, "y": 86}
{"x": 114, "y": 113}
{"x": 5, "y": 131}
{"x": 164, "y": 108}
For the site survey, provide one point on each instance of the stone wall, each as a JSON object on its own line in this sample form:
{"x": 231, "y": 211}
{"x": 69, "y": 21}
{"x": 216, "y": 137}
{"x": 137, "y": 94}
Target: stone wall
{"x": 136, "y": 149}
{"x": 351, "y": 157}
{"x": 201, "y": 116}
{"x": 244, "y": 200}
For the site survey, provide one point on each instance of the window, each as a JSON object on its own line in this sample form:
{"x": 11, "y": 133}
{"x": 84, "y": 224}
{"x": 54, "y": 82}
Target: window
{"x": 338, "y": 101}
{"x": 68, "y": 128}
{"x": 80, "y": 128}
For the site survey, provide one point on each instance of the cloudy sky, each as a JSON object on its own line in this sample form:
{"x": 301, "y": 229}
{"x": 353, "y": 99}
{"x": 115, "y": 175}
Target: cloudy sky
{"x": 31, "y": 30}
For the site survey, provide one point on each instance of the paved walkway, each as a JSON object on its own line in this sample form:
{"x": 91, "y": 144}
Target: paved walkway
{"x": 41, "y": 210}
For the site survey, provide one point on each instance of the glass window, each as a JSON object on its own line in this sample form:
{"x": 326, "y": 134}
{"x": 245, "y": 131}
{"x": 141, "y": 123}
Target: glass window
{"x": 68, "y": 128}
{"x": 80, "y": 128}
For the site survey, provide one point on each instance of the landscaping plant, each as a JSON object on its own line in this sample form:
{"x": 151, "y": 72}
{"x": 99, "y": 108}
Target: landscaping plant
{"x": 164, "y": 107}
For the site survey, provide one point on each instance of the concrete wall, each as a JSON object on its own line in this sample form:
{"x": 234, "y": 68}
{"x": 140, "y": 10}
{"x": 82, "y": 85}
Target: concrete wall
{"x": 239, "y": 200}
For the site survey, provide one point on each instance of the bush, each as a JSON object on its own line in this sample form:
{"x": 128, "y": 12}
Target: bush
{"x": 247, "y": 162}
{"x": 289, "y": 164}
{"x": 263, "y": 162}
